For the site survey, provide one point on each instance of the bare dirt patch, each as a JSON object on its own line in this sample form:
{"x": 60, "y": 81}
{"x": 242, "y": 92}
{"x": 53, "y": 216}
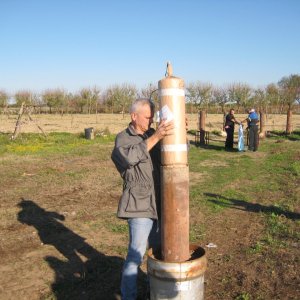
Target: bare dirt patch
{"x": 196, "y": 177}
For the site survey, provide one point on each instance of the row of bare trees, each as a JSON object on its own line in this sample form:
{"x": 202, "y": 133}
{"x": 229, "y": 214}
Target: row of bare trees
{"x": 115, "y": 99}
{"x": 274, "y": 98}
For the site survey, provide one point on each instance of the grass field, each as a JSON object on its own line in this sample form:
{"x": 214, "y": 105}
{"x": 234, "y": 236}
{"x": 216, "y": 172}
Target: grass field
{"x": 60, "y": 238}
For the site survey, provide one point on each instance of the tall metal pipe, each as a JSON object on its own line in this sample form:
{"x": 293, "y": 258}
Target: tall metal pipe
{"x": 178, "y": 271}
{"x": 174, "y": 171}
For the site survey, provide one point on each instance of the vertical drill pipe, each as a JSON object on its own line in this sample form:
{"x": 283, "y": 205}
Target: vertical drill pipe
{"x": 175, "y": 175}
{"x": 171, "y": 94}
{"x": 175, "y": 214}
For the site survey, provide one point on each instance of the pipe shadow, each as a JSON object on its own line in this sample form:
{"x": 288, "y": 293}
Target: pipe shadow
{"x": 84, "y": 272}
{"x": 252, "y": 207}
{"x": 209, "y": 146}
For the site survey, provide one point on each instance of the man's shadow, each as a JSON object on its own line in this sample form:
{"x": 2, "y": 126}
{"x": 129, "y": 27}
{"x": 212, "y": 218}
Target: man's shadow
{"x": 96, "y": 276}
{"x": 253, "y": 207}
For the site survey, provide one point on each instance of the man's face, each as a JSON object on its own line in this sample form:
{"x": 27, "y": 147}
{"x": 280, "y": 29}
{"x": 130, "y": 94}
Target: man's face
{"x": 142, "y": 119}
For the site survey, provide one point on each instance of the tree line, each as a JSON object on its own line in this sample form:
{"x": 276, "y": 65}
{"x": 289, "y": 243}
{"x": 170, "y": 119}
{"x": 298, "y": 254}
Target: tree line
{"x": 280, "y": 97}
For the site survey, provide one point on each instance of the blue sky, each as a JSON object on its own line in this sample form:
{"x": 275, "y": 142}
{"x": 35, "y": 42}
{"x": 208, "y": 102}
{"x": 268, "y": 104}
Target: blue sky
{"x": 74, "y": 44}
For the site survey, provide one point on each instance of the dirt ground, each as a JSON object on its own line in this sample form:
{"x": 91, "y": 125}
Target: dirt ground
{"x": 60, "y": 239}
{"x": 76, "y": 123}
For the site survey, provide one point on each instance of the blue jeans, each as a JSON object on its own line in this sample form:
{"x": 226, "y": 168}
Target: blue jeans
{"x": 141, "y": 230}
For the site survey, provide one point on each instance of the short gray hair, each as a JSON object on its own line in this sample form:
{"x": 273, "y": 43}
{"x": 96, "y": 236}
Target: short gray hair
{"x": 138, "y": 103}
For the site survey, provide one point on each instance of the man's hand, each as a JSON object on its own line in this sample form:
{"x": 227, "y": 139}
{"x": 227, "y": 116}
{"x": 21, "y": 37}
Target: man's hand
{"x": 164, "y": 128}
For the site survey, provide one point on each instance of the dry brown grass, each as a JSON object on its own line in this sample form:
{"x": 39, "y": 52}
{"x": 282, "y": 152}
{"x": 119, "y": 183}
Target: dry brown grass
{"x": 75, "y": 123}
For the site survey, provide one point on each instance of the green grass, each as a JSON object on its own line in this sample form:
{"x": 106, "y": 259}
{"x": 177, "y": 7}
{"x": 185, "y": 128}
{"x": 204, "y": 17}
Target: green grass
{"x": 224, "y": 168}
{"x": 243, "y": 296}
{"x": 294, "y": 168}
{"x": 256, "y": 248}
{"x": 197, "y": 232}
{"x": 279, "y": 230}
{"x": 118, "y": 228}
{"x": 294, "y": 136}
{"x": 54, "y": 143}
{"x": 264, "y": 182}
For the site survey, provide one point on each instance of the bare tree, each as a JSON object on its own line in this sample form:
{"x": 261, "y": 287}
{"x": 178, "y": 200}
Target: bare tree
{"x": 54, "y": 99}
{"x": 290, "y": 90}
{"x": 86, "y": 99}
{"x": 95, "y": 98}
{"x": 119, "y": 97}
{"x": 240, "y": 93}
{"x": 68, "y": 104}
{"x": 76, "y": 102}
{"x": 151, "y": 92}
{"x": 259, "y": 99}
{"x": 220, "y": 97}
{"x": 37, "y": 102}
{"x": 273, "y": 95}
{"x": 110, "y": 98}
{"x": 200, "y": 94}
{"x": 3, "y": 100}
{"x": 23, "y": 96}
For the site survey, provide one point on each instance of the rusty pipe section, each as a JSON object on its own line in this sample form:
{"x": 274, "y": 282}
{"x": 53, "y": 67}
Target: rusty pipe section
{"x": 172, "y": 107}
{"x": 175, "y": 213}
{"x": 174, "y": 171}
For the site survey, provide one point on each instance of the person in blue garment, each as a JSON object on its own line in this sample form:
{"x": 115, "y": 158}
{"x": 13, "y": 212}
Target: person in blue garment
{"x": 241, "y": 138}
{"x": 252, "y": 121}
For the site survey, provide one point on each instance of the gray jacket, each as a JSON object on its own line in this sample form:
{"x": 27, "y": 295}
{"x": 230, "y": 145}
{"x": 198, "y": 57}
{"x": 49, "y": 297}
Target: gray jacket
{"x": 140, "y": 172}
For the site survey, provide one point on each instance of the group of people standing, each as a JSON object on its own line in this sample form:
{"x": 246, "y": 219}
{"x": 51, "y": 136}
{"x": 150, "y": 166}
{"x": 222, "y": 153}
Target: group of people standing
{"x": 252, "y": 123}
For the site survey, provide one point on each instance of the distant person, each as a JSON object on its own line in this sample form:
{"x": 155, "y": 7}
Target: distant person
{"x": 136, "y": 156}
{"x": 241, "y": 145}
{"x": 252, "y": 121}
{"x": 230, "y": 120}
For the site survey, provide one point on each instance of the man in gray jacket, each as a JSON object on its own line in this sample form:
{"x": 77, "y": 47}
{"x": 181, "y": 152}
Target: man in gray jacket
{"x": 136, "y": 155}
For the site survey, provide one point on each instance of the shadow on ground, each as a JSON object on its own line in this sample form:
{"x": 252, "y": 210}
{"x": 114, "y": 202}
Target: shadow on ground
{"x": 84, "y": 272}
{"x": 211, "y": 147}
{"x": 294, "y": 136}
{"x": 253, "y": 207}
